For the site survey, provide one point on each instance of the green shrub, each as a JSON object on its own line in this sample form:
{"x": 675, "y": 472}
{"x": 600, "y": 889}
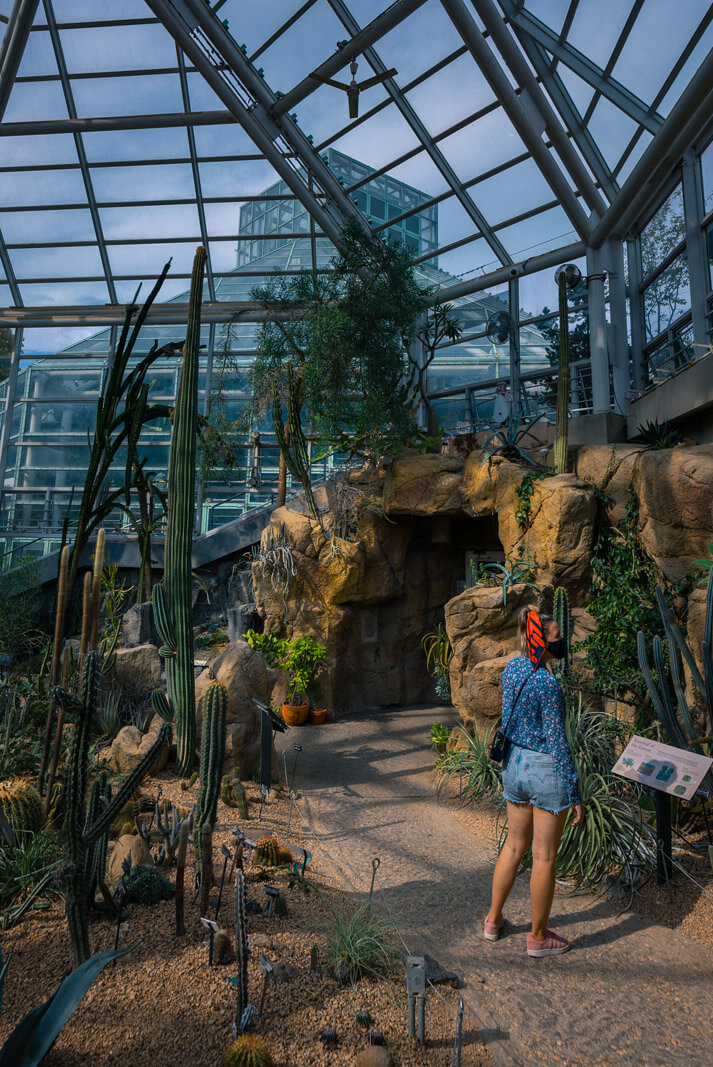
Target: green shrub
{"x": 361, "y": 940}
{"x": 480, "y": 776}
{"x": 31, "y": 864}
{"x": 146, "y": 885}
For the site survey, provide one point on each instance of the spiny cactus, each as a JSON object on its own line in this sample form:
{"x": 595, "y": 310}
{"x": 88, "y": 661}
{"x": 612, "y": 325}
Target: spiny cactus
{"x": 248, "y": 1051}
{"x": 190, "y": 783}
{"x": 241, "y": 946}
{"x": 85, "y": 827}
{"x": 172, "y": 599}
{"x": 680, "y": 729}
{"x": 232, "y": 793}
{"x": 21, "y": 806}
{"x": 294, "y": 450}
{"x": 266, "y": 851}
{"x": 561, "y": 427}
{"x": 215, "y": 707}
{"x": 560, "y": 612}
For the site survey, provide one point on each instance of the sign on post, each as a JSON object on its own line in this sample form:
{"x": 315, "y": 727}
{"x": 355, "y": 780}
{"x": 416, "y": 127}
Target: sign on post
{"x": 662, "y": 767}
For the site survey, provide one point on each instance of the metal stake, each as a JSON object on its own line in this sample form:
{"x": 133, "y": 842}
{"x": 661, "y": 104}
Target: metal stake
{"x": 226, "y": 852}
{"x": 421, "y": 1019}
{"x": 212, "y": 928}
{"x": 266, "y": 968}
{"x": 265, "y": 791}
{"x": 375, "y": 864}
{"x": 455, "y": 1057}
{"x": 298, "y": 749}
{"x": 284, "y": 767}
{"x": 289, "y": 813}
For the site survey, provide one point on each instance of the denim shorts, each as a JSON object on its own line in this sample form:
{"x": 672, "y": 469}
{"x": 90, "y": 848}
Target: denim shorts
{"x": 531, "y": 778}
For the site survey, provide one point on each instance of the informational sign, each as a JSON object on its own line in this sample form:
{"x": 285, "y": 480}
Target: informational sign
{"x": 671, "y": 770}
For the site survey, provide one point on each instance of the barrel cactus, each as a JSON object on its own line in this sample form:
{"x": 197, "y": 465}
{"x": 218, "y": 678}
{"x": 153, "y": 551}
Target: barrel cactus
{"x": 247, "y": 1051}
{"x": 21, "y": 806}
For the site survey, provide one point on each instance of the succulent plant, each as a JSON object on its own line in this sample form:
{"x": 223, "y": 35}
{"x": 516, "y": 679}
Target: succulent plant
{"x": 232, "y": 793}
{"x": 241, "y": 946}
{"x": 144, "y": 884}
{"x": 247, "y": 1051}
{"x": 560, "y": 613}
{"x": 21, "y": 806}
{"x": 215, "y": 705}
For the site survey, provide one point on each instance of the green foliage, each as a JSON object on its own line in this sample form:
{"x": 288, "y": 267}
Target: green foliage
{"x": 20, "y": 610}
{"x": 705, "y": 564}
{"x": 439, "y": 735}
{"x": 524, "y": 491}
{"x": 37, "y": 1031}
{"x": 32, "y": 862}
{"x": 248, "y": 1050}
{"x": 7, "y": 339}
{"x": 658, "y": 435}
{"x": 301, "y": 658}
{"x": 20, "y": 807}
{"x": 439, "y": 653}
{"x": 144, "y": 884}
{"x": 358, "y": 937}
{"x": 472, "y": 765}
{"x": 348, "y": 340}
{"x": 440, "y": 327}
{"x": 519, "y": 573}
{"x": 624, "y": 602}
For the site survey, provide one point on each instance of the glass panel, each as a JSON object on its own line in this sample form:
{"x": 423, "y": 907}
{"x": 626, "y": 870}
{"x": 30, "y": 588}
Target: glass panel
{"x": 667, "y": 297}
{"x": 707, "y": 175}
{"x": 663, "y": 233}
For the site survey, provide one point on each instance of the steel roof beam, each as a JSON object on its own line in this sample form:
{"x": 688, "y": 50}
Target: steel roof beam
{"x": 689, "y": 116}
{"x": 79, "y": 147}
{"x": 13, "y": 46}
{"x": 423, "y": 136}
{"x": 517, "y": 112}
{"x": 360, "y": 41}
{"x": 505, "y": 43}
{"x": 589, "y": 72}
{"x": 9, "y": 272}
{"x": 229, "y": 73}
{"x": 195, "y": 170}
{"x": 615, "y": 53}
{"x": 111, "y": 123}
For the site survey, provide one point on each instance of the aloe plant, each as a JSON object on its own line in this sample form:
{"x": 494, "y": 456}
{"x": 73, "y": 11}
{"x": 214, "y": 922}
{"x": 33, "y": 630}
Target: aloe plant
{"x": 673, "y": 710}
{"x": 172, "y": 600}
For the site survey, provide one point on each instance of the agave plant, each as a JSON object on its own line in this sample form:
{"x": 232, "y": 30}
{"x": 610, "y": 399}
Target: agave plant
{"x": 514, "y": 574}
{"x": 657, "y": 435}
{"x": 507, "y": 441}
{"x": 472, "y": 764}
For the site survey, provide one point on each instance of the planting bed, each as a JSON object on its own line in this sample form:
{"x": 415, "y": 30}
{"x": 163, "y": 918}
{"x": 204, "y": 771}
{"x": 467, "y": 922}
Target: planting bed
{"x": 162, "y": 1005}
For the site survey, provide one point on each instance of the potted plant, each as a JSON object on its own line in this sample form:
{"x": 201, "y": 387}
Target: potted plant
{"x": 439, "y": 737}
{"x": 301, "y": 659}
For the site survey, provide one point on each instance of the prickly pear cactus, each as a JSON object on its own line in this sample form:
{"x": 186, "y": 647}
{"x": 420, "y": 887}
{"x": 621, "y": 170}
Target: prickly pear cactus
{"x": 21, "y": 806}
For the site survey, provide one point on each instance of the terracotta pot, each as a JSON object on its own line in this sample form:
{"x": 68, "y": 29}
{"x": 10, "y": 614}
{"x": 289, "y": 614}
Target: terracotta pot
{"x": 317, "y": 716}
{"x": 295, "y": 714}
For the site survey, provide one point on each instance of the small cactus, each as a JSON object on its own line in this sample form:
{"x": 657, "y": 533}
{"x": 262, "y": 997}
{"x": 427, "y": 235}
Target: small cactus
{"x": 247, "y": 1051}
{"x": 267, "y": 851}
{"x": 190, "y": 783}
{"x": 21, "y": 806}
{"x": 215, "y": 704}
{"x": 232, "y": 793}
{"x": 364, "y": 1019}
{"x": 241, "y": 947}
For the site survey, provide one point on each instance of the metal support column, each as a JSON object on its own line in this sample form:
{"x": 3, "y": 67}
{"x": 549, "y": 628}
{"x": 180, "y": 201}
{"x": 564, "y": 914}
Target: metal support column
{"x": 613, "y": 262}
{"x": 11, "y": 389}
{"x": 698, "y": 269}
{"x": 200, "y": 490}
{"x": 514, "y": 337}
{"x": 636, "y": 314}
{"x": 13, "y": 46}
{"x": 598, "y": 332}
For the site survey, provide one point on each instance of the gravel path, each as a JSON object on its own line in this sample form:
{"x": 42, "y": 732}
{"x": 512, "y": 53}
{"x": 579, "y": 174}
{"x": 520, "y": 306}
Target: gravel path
{"x": 629, "y": 990}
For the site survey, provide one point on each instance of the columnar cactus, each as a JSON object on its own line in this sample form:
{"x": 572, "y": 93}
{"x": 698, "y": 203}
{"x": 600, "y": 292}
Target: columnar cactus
{"x": 560, "y": 613}
{"x": 561, "y": 427}
{"x": 241, "y": 947}
{"x": 232, "y": 793}
{"x": 21, "y": 806}
{"x": 85, "y": 827}
{"x": 215, "y": 706}
{"x": 172, "y": 600}
{"x": 293, "y": 445}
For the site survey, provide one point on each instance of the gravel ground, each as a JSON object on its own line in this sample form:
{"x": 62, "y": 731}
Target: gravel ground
{"x": 162, "y": 1005}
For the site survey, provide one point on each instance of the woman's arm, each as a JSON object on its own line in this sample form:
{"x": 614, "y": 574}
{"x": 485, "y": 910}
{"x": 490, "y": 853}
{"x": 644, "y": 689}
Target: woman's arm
{"x": 552, "y": 705}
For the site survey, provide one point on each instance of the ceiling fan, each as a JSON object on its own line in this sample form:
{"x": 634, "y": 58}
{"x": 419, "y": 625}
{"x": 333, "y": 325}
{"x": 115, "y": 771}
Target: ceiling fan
{"x": 353, "y": 88}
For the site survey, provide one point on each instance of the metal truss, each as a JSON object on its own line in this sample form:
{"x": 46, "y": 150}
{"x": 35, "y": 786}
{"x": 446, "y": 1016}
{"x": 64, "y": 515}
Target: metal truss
{"x": 13, "y": 46}
{"x": 195, "y": 170}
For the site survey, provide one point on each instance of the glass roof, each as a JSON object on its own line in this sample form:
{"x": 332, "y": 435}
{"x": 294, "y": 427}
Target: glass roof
{"x": 133, "y": 130}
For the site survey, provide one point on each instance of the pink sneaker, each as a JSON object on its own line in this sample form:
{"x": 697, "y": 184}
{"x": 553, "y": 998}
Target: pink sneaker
{"x": 553, "y": 945}
{"x": 491, "y": 930}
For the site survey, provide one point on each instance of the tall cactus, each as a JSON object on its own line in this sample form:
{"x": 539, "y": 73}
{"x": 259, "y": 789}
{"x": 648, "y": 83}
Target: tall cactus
{"x": 293, "y": 444}
{"x": 87, "y": 827}
{"x": 172, "y": 600}
{"x": 215, "y": 706}
{"x": 561, "y": 427}
{"x": 560, "y": 612}
{"x": 241, "y": 947}
{"x": 680, "y": 728}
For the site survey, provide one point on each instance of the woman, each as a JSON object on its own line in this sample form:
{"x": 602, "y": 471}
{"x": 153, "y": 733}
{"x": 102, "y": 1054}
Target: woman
{"x": 539, "y": 779}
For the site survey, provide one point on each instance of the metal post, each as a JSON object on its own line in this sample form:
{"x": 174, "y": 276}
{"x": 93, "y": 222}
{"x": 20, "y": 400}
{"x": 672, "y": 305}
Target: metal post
{"x": 200, "y": 488}
{"x": 636, "y": 313}
{"x": 265, "y": 749}
{"x": 613, "y": 260}
{"x": 514, "y": 335}
{"x": 698, "y": 270}
{"x": 11, "y": 389}
{"x": 597, "y": 332}
{"x": 662, "y": 802}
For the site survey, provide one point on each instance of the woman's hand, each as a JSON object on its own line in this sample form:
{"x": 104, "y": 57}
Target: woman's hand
{"x": 577, "y": 814}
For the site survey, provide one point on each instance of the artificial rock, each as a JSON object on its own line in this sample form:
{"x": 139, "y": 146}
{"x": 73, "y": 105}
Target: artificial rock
{"x": 244, "y": 674}
{"x": 138, "y": 669}
{"x": 130, "y": 746}
{"x": 127, "y": 843}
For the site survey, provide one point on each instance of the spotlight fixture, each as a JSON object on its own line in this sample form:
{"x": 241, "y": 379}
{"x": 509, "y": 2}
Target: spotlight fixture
{"x": 353, "y": 88}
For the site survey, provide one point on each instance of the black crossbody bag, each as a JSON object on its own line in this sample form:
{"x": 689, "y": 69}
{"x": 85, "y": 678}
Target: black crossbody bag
{"x": 501, "y": 742}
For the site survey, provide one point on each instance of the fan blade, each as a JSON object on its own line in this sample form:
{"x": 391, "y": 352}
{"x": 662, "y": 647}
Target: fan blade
{"x": 378, "y": 78}
{"x": 329, "y": 81}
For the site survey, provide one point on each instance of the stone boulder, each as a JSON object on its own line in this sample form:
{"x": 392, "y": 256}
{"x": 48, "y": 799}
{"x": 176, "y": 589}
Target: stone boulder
{"x": 374, "y": 1056}
{"x": 130, "y": 746}
{"x": 138, "y": 669}
{"x": 127, "y": 843}
{"x": 419, "y": 484}
{"x": 245, "y": 674}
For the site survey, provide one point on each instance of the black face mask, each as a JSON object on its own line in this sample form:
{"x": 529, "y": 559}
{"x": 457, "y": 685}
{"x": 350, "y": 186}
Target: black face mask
{"x": 558, "y": 648}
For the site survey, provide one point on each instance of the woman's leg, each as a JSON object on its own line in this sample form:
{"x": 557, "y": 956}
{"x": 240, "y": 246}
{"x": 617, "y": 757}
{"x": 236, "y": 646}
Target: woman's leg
{"x": 547, "y": 827}
{"x": 510, "y": 858}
